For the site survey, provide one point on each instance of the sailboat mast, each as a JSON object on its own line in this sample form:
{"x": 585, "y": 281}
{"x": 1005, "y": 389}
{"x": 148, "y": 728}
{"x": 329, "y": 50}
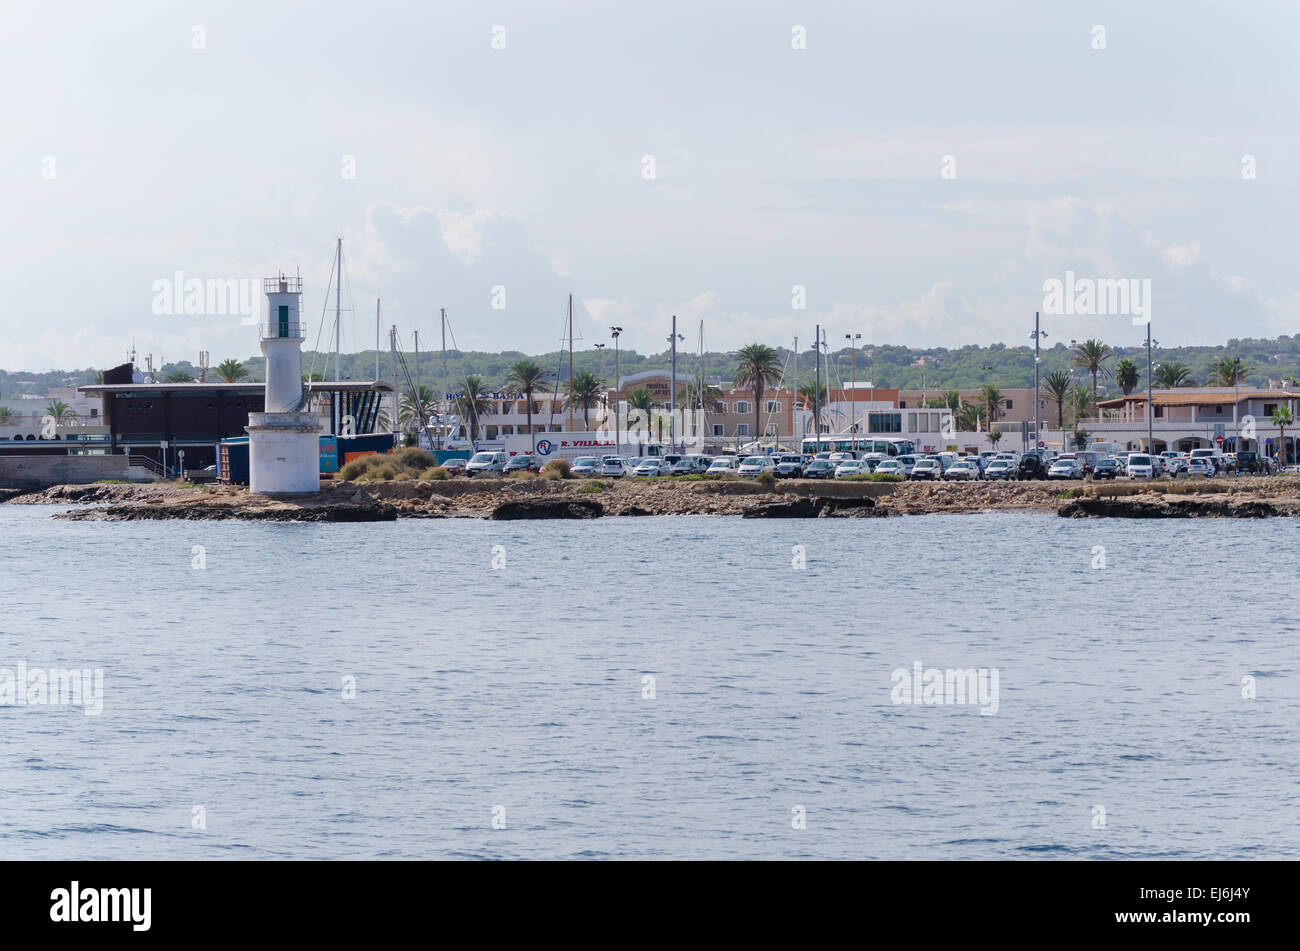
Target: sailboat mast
{"x": 338, "y": 307}
{"x": 570, "y": 363}
{"x": 445, "y": 384}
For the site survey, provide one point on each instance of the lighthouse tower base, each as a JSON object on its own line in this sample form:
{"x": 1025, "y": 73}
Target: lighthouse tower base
{"x": 283, "y": 453}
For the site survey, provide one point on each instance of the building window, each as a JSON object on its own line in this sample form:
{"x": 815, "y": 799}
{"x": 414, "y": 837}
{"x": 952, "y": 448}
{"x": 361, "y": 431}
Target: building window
{"x": 719, "y": 429}
{"x": 902, "y": 404}
{"x": 742, "y": 429}
{"x": 773, "y": 406}
{"x": 771, "y": 430}
{"x": 742, "y": 408}
{"x": 1218, "y": 409}
{"x": 1008, "y": 404}
{"x": 1160, "y": 411}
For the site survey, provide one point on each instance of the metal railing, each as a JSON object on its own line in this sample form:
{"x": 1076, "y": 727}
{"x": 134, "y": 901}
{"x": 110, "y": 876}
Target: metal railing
{"x": 144, "y": 462}
{"x": 282, "y": 285}
{"x": 274, "y": 330}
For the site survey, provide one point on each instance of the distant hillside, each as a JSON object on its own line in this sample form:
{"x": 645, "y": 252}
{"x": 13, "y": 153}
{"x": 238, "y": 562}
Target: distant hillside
{"x": 887, "y": 367}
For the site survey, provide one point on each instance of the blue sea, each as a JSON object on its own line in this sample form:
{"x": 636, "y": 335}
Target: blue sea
{"x": 653, "y": 688}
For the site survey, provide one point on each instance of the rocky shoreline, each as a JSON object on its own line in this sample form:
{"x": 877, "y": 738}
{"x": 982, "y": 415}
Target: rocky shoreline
{"x": 573, "y": 498}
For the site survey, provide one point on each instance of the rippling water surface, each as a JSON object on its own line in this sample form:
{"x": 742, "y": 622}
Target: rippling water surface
{"x": 523, "y": 688}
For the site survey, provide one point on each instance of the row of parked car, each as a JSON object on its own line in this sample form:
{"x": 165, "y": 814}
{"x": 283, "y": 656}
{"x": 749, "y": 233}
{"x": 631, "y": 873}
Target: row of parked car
{"x": 946, "y": 466}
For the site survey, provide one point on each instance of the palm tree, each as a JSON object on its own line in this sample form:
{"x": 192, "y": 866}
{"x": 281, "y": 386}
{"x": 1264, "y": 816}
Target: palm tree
{"x": 1282, "y": 418}
{"x": 991, "y": 396}
{"x": 414, "y": 411}
{"x": 813, "y": 397}
{"x": 1229, "y": 371}
{"x": 641, "y": 401}
{"x": 1081, "y": 398}
{"x": 1169, "y": 375}
{"x": 995, "y": 436}
{"x": 968, "y": 418}
{"x": 6, "y": 414}
{"x": 1058, "y": 384}
{"x": 952, "y": 400}
{"x": 1092, "y": 355}
{"x": 700, "y": 392}
{"x": 586, "y": 390}
{"x": 473, "y": 402}
{"x": 1126, "y": 376}
{"x": 759, "y": 368}
{"x": 178, "y": 376}
{"x": 525, "y": 376}
{"x": 231, "y": 371}
{"x": 59, "y": 410}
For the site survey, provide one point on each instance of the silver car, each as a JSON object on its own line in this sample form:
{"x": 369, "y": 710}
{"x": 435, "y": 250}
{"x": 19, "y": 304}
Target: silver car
{"x": 614, "y": 467}
{"x": 651, "y": 467}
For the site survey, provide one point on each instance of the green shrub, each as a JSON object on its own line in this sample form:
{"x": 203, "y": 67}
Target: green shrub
{"x": 522, "y": 475}
{"x": 558, "y": 469}
{"x": 767, "y": 480}
{"x": 435, "y": 473}
{"x": 411, "y": 457}
{"x": 593, "y": 486}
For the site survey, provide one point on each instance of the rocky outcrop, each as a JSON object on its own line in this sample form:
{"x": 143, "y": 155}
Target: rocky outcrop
{"x": 344, "y": 512}
{"x": 1170, "y": 506}
{"x": 548, "y": 508}
{"x": 817, "y": 507}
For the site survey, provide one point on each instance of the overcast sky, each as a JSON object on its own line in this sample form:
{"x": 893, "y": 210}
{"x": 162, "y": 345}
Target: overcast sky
{"x": 128, "y": 155}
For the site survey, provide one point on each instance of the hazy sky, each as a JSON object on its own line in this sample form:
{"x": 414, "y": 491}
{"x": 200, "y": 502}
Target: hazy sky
{"x": 128, "y": 154}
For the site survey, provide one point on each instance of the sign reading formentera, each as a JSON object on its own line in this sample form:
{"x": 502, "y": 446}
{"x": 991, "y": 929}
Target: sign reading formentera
{"x": 1098, "y": 297}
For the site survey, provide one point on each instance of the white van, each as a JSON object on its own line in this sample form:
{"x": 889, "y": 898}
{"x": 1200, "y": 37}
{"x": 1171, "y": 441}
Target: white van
{"x": 1142, "y": 466}
{"x": 487, "y": 463}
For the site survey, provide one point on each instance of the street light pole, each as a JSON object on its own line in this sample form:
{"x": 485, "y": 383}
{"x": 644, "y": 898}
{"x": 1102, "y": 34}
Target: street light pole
{"x": 672, "y": 397}
{"x": 1037, "y": 334}
{"x": 817, "y": 395}
{"x": 1150, "y": 410}
{"x": 618, "y": 445}
{"x": 853, "y": 363}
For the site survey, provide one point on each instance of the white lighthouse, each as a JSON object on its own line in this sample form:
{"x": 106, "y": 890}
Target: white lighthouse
{"x": 283, "y": 441}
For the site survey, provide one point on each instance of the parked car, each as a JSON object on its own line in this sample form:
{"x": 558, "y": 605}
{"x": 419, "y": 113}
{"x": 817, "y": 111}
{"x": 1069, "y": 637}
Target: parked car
{"x": 614, "y": 466}
{"x": 688, "y": 465}
{"x": 850, "y": 467}
{"x": 1107, "y": 468}
{"x": 891, "y": 467}
{"x": 1200, "y": 466}
{"x": 455, "y": 467}
{"x": 1066, "y": 467}
{"x": 1032, "y": 466}
{"x": 870, "y": 460}
{"x": 966, "y": 470}
{"x": 1001, "y": 469}
{"x": 585, "y": 466}
{"x": 819, "y": 469}
{"x": 1247, "y": 461}
{"x": 722, "y": 465}
{"x": 1213, "y": 454}
{"x": 908, "y": 461}
{"x": 1142, "y": 466}
{"x": 522, "y": 463}
{"x": 487, "y": 463}
{"x": 651, "y": 466}
{"x": 789, "y": 467}
{"x": 929, "y": 469}
{"x": 755, "y": 465}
